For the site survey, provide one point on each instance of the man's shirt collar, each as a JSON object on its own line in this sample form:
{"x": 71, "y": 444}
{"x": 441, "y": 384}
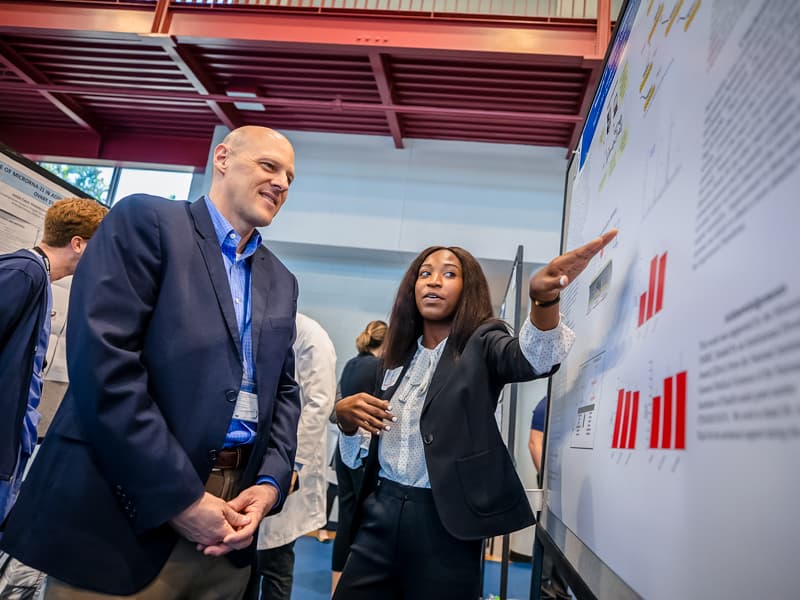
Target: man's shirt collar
{"x": 226, "y": 235}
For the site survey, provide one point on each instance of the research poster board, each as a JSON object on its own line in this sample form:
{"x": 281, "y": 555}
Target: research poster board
{"x": 674, "y": 423}
{"x": 26, "y": 192}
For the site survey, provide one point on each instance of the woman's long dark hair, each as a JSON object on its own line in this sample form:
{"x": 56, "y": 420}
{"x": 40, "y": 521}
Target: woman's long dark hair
{"x": 405, "y": 325}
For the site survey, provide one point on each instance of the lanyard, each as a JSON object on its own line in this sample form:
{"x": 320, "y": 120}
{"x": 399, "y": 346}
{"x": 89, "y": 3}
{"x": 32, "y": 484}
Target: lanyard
{"x": 46, "y": 260}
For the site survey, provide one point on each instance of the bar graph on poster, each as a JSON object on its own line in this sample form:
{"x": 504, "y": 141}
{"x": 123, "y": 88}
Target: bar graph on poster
{"x": 681, "y": 396}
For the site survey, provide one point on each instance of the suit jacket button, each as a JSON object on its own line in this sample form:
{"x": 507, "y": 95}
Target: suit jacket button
{"x": 231, "y": 395}
{"x": 428, "y": 438}
{"x": 212, "y": 455}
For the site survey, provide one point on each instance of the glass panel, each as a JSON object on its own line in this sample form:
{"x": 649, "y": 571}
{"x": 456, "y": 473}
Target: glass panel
{"x": 168, "y": 184}
{"x": 92, "y": 179}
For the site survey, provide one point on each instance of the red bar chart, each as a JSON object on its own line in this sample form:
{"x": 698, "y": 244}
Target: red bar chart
{"x": 626, "y": 419}
{"x": 668, "y": 427}
{"x": 652, "y": 301}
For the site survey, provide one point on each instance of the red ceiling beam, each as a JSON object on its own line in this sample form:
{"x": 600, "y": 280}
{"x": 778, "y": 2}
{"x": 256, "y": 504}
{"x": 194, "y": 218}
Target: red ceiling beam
{"x": 63, "y": 17}
{"x": 380, "y": 69}
{"x": 591, "y": 84}
{"x": 486, "y": 39}
{"x": 160, "y": 17}
{"x": 505, "y": 87}
{"x": 459, "y": 78}
{"x": 116, "y": 147}
{"x": 562, "y": 38}
{"x": 496, "y": 72}
{"x": 484, "y": 137}
{"x": 337, "y": 105}
{"x": 603, "y": 27}
{"x": 58, "y": 141}
{"x": 475, "y": 100}
{"x": 189, "y": 67}
{"x": 31, "y": 75}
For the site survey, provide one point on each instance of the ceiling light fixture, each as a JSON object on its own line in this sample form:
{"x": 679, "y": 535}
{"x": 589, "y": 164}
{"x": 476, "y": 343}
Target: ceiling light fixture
{"x": 244, "y": 91}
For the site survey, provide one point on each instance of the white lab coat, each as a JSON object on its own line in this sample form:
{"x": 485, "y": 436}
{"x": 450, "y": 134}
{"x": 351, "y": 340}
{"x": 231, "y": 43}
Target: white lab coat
{"x": 315, "y": 372}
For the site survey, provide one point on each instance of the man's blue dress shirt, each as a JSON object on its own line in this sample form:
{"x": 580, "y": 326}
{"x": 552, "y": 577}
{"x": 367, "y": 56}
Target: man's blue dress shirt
{"x": 238, "y": 269}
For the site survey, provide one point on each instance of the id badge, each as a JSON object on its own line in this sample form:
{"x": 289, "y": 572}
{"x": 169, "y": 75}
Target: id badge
{"x": 246, "y": 408}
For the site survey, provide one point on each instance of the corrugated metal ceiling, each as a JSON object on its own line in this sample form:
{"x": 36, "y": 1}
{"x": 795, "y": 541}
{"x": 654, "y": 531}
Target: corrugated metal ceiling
{"x": 87, "y": 72}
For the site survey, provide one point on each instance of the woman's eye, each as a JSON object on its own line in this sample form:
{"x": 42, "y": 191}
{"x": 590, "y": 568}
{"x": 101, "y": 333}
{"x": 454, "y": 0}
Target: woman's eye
{"x": 424, "y": 273}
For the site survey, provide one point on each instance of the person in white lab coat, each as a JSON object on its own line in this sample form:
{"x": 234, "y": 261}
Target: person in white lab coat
{"x": 304, "y": 511}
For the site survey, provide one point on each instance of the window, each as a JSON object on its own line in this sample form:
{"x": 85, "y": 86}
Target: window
{"x": 168, "y": 184}
{"x": 92, "y": 179}
{"x": 109, "y": 184}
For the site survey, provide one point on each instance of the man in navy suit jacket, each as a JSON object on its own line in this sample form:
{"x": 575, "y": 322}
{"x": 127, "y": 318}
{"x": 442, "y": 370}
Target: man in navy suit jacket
{"x": 178, "y": 432}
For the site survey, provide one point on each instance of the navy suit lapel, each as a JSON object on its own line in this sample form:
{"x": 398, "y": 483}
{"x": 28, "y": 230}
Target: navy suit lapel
{"x": 212, "y": 255}
{"x": 260, "y": 283}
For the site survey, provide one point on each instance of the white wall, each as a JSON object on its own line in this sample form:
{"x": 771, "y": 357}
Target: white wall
{"x": 343, "y": 297}
{"x": 361, "y": 192}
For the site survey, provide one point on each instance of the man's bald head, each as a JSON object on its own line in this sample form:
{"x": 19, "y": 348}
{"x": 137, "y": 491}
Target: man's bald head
{"x": 247, "y": 134}
{"x": 253, "y": 168}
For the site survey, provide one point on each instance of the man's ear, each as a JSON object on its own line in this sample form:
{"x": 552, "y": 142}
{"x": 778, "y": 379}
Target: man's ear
{"x": 78, "y": 244}
{"x": 221, "y": 155}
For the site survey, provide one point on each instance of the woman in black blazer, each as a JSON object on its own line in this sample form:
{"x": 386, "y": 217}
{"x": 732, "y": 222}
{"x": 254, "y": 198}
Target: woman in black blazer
{"x": 438, "y": 478}
{"x": 359, "y": 375}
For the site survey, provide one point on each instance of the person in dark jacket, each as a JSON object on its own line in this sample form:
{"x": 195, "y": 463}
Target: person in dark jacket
{"x": 25, "y": 278}
{"x": 360, "y": 374}
{"x": 438, "y": 478}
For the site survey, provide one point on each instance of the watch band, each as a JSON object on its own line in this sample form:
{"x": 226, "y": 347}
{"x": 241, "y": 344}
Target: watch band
{"x": 546, "y": 303}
